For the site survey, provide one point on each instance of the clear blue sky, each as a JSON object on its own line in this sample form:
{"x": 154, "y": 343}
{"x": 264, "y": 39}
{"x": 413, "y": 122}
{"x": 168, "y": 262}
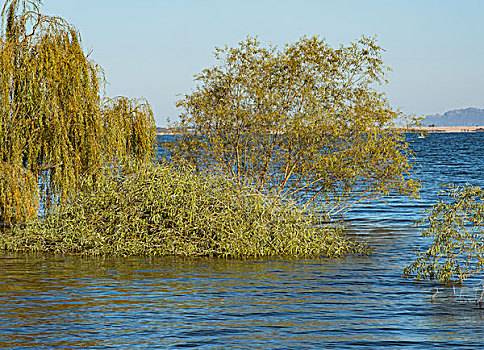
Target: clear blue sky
{"x": 152, "y": 48}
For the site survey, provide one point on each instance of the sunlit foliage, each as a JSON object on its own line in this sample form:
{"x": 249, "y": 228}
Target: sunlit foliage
{"x": 160, "y": 210}
{"x": 304, "y": 123}
{"x": 55, "y": 128}
{"x": 128, "y": 128}
{"x": 456, "y": 226}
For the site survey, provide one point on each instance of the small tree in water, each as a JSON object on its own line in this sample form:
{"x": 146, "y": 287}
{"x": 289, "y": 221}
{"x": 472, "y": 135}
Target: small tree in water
{"x": 304, "y": 123}
{"x": 55, "y": 128}
{"x": 456, "y": 224}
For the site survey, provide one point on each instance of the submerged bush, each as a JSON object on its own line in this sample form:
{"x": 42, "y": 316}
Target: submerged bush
{"x": 456, "y": 225}
{"x": 157, "y": 210}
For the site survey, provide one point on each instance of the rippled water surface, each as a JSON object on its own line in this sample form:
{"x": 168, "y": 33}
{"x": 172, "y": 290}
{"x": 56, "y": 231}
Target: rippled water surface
{"x": 49, "y": 302}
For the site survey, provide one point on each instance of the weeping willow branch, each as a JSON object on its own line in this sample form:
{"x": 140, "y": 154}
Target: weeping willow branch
{"x": 55, "y": 127}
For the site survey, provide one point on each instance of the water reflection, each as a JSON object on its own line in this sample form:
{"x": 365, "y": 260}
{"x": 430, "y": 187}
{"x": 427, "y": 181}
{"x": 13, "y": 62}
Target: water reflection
{"x": 49, "y": 301}
{"x": 72, "y": 302}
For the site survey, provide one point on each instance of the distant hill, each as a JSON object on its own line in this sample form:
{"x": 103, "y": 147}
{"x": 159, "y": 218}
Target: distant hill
{"x": 458, "y": 117}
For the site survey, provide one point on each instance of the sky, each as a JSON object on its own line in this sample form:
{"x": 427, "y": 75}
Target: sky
{"x": 153, "y": 48}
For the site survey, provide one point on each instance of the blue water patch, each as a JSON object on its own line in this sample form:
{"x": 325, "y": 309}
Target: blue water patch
{"x": 50, "y": 302}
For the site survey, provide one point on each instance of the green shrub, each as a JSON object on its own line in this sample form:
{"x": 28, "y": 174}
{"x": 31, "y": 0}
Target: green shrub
{"x": 456, "y": 226}
{"x": 157, "y": 210}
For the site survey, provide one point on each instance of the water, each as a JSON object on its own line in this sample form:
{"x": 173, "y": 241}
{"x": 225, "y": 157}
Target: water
{"x": 52, "y": 302}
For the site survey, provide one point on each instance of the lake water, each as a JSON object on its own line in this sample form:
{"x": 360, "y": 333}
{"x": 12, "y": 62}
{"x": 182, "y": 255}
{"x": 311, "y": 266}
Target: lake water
{"x": 53, "y": 302}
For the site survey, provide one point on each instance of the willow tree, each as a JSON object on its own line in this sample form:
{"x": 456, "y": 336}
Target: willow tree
{"x": 55, "y": 127}
{"x": 305, "y": 123}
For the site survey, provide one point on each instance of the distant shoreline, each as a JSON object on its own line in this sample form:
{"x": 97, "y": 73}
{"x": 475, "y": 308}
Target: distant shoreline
{"x": 447, "y": 129}
{"x": 423, "y": 129}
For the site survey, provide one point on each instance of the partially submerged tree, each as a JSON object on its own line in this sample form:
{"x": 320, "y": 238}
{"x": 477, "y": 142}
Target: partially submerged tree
{"x": 456, "y": 225}
{"x": 304, "y": 123}
{"x": 55, "y": 129}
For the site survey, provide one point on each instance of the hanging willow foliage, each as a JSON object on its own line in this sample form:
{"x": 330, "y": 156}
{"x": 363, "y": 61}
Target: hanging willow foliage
{"x": 18, "y": 194}
{"x": 55, "y": 128}
{"x": 129, "y": 128}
